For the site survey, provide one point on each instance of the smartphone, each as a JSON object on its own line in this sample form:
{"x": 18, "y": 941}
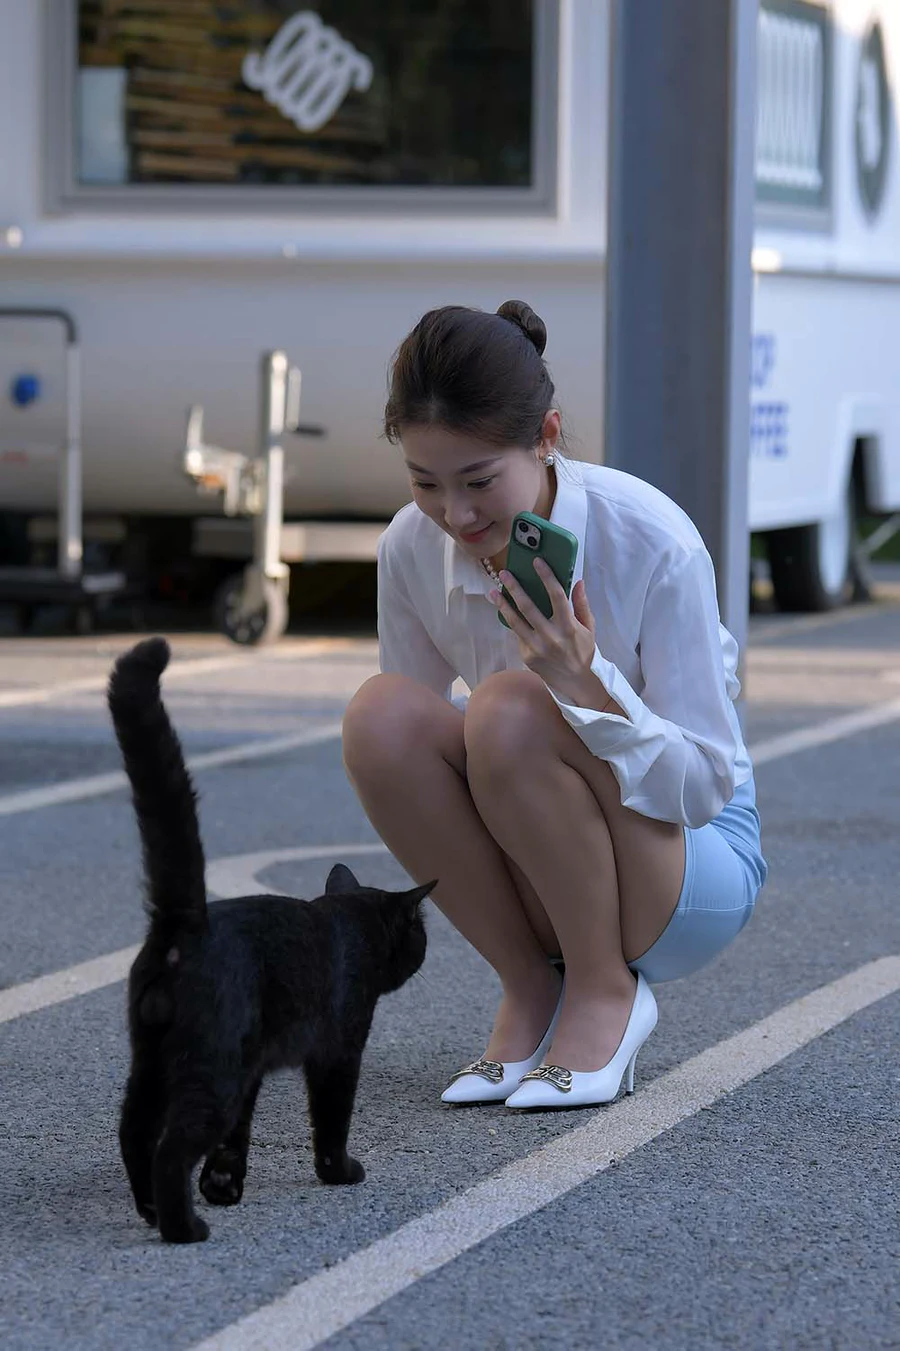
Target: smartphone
{"x": 532, "y": 537}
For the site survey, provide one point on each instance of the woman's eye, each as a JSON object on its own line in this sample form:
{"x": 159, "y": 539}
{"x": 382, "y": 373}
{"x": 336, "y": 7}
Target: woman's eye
{"x": 423, "y": 486}
{"x": 481, "y": 483}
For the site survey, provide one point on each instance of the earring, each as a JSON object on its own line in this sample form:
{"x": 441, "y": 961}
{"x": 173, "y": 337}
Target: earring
{"x": 549, "y": 459}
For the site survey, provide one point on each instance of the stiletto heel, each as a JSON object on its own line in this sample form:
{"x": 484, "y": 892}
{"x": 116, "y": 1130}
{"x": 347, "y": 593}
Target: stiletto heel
{"x": 494, "y": 1080}
{"x": 555, "y": 1086}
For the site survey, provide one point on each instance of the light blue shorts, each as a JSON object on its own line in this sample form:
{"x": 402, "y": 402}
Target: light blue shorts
{"x": 723, "y": 874}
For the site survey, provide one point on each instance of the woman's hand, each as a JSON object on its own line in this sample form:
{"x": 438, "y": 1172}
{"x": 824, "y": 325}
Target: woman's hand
{"x": 559, "y": 649}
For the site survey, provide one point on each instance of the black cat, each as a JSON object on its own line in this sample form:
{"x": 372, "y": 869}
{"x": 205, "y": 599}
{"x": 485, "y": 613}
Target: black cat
{"x": 219, "y": 997}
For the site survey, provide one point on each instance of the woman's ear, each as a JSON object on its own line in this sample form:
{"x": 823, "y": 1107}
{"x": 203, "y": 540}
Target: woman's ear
{"x": 551, "y": 429}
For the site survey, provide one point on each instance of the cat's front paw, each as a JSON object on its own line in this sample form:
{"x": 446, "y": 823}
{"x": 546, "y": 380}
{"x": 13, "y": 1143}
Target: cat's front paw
{"x": 190, "y": 1230}
{"x": 337, "y": 1172}
{"x": 147, "y": 1211}
{"x": 222, "y": 1180}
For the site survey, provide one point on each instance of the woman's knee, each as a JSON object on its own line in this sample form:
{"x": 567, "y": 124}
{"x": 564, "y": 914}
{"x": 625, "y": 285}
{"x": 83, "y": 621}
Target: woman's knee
{"x": 388, "y": 718}
{"x": 505, "y": 720}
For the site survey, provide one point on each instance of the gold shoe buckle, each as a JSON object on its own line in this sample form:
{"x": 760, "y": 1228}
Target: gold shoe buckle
{"x": 491, "y": 1070}
{"x": 551, "y": 1074}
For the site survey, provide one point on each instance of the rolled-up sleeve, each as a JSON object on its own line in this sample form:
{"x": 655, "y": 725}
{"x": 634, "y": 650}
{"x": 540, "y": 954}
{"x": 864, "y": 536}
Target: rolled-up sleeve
{"x": 673, "y": 754}
{"x": 404, "y": 645}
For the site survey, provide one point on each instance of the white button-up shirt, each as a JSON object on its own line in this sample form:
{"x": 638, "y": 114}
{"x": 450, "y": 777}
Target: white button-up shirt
{"x": 678, "y": 754}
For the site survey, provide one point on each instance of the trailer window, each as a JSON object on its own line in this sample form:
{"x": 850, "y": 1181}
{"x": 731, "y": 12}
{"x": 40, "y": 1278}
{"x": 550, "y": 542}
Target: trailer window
{"x": 793, "y": 109}
{"x": 373, "y": 95}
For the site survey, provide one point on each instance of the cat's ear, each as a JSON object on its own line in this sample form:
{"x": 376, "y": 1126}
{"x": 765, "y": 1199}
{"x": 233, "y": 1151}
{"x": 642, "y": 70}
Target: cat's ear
{"x": 340, "y": 879}
{"x": 418, "y": 894}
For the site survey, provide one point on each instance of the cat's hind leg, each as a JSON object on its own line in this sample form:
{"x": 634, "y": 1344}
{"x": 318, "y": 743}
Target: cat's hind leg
{"x": 331, "y": 1088}
{"x": 222, "y": 1178}
{"x": 195, "y": 1122}
{"x": 140, "y": 1125}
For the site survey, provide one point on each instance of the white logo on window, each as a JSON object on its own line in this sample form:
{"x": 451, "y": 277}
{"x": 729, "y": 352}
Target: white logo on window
{"x": 307, "y": 71}
{"x": 869, "y": 113}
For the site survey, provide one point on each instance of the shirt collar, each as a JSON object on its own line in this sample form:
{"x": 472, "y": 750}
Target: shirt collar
{"x": 569, "y": 510}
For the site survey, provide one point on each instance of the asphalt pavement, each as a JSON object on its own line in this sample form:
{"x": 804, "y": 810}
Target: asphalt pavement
{"x": 745, "y": 1197}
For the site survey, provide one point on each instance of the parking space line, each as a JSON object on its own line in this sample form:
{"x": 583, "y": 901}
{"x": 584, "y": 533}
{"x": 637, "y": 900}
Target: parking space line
{"x": 237, "y": 870}
{"x": 238, "y": 874}
{"x": 334, "y": 1298}
{"x": 823, "y": 733}
{"x": 60, "y": 986}
{"x": 223, "y": 878}
{"x": 96, "y": 785}
{"x": 303, "y": 651}
{"x": 764, "y": 633}
{"x": 42, "y": 694}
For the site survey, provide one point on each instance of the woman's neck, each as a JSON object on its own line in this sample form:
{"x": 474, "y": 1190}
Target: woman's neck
{"x": 547, "y": 495}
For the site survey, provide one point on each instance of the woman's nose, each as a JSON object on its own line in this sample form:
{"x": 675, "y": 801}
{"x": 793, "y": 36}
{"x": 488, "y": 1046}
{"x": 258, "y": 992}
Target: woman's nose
{"x": 458, "y": 514}
{"x": 459, "y": 511}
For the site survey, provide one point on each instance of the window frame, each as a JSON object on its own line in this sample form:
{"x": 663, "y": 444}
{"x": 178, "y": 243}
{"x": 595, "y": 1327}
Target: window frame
{"x": 65, "y": 196}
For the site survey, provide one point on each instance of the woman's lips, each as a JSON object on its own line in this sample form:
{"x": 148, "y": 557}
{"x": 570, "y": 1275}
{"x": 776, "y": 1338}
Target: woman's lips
{"x": 476, "y": 537}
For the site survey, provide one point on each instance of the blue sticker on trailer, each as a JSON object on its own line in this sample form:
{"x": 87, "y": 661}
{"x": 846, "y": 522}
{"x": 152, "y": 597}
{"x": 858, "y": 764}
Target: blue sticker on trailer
{"x": 762, "y": 359}
{"x": 25, "y": 390}
{"x": 769, "y": 429}
{"x": 769, "y": 420}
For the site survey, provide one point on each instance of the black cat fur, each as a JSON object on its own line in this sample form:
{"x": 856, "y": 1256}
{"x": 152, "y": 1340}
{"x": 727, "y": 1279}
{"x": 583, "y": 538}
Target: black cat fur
{"x": 218, "y": 997}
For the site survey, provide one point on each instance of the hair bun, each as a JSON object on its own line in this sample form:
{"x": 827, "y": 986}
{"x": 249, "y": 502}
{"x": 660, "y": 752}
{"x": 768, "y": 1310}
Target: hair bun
{"x": 524, "y": 317}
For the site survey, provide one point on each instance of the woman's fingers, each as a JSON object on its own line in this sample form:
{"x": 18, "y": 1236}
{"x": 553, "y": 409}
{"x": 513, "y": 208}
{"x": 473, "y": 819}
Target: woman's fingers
{"x": 582, "y": 609}
{"x": 554, "y": 587}
{"x": 529, "y": 611}
{"x": 517, "y": 624}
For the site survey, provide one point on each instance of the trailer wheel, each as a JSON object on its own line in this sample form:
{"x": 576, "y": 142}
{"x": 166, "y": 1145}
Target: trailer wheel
{"x": 263, "y": 624}
{"x": 813, "y": 566}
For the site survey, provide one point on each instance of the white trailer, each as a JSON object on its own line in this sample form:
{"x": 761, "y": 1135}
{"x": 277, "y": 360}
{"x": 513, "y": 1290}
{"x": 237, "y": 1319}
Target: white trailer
{"x": 198, "y": 184}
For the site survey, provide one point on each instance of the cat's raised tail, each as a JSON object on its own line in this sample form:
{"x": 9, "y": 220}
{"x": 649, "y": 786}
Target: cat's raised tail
{"x": 162, "y": 791}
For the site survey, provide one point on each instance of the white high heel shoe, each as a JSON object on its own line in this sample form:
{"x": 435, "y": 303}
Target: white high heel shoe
{"x": 554, "y": 1086}
{"x": 494, "y": 1080}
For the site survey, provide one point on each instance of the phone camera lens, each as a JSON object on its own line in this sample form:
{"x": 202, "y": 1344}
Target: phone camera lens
{"x": 528, "y": 535}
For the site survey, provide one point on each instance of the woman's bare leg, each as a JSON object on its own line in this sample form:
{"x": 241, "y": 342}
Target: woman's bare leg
{"x": 608, "y": 878}
{"x": 404, "y": 752}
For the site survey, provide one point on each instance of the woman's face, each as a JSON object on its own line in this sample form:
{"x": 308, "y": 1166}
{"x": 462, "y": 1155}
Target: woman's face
{"x": 473, "y": 489}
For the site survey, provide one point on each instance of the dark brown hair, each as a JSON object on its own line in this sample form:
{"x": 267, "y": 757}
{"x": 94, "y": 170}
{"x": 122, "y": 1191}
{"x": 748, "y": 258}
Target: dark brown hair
{"x": 482, "y": 375}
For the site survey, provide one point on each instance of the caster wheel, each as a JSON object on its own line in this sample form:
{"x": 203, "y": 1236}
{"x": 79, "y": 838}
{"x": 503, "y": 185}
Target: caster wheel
{"x": 263, "y": 624}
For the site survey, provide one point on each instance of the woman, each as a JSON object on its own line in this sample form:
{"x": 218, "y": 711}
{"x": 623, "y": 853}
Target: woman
{"x": 593, "y": 801}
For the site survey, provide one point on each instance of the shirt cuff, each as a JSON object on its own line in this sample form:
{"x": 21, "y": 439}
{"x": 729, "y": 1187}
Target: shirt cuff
{"x": 606, "y": 731}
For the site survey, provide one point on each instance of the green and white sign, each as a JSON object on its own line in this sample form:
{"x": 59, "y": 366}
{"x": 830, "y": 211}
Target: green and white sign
{"x": 873, "y": 121}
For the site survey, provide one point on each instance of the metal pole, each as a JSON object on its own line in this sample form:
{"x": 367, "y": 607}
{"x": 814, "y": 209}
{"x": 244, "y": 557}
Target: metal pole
{"x": 682, "y": 116}
{"x": 267, "y": 525}
{"x": 69, "y": 528}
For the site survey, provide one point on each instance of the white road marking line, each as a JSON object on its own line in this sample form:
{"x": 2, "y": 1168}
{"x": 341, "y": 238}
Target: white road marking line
{"x": 75, "y": 790}
{"x": 762, "y": 631}
{"x": 317, "y": 647}
{"x": 60, "y": 986}
{"x": 822, "y": 733}
{"x": 42, "y": 694}
{"x": 235, "y": 875}
{"x": 332, "y": 1299}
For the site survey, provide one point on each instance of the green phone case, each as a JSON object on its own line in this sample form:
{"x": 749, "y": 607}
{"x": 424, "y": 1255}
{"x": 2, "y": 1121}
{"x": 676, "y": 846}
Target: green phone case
{"x": 556, "y": 546}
